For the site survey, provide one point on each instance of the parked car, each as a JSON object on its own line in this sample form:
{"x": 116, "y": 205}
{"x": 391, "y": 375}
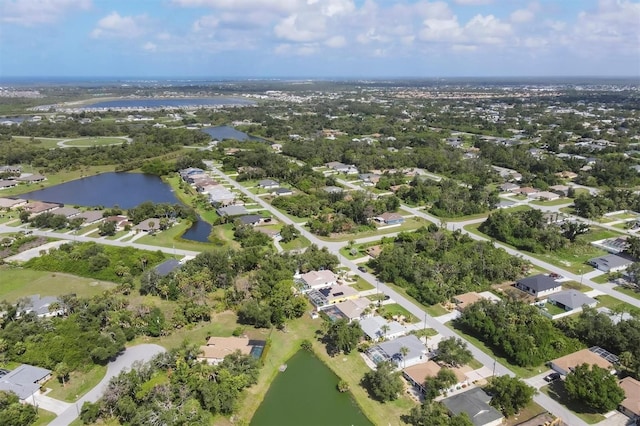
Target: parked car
{"x": 362, "y": 269}
{"x": 552, "y": 377}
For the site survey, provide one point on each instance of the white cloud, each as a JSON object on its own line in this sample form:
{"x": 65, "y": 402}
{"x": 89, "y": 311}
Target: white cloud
{"x": 441, "y": 30}
{"x": 336, "y": 42}
{"x": 487, "y": 29}
{"x": 300, "y": 28}
{"x": 521, "y": 15}
{"x": 34, "y": 12}
{"x": 473, "y": 2}
{"x": 614, "y": 26}
{"x": 278, "y": 6}
{"x": 116, "y": 26}
{"x": 150, "y": 47}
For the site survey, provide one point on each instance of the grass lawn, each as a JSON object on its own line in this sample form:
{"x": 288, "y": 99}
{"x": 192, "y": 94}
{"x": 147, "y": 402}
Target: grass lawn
{"x": 606, "y": 301}
{"x": 574, "y": 285}
{"x": 553, "y": 309}
{"x": 397, "y": 310}
{"x": 558, "y": 202}
{"x": 49, "y": 143}
{"x": 628, "y": 291}
{"x": 523, "y": 372}
{"x": 601, "y": 279}
{"x": 171, "y": 238}
{"x": 362, "y": 285}
{"x": 597, "y": 233}
{"x": 557, "y": 391}
{"x": 409, "y": 224}
{"x": 530, "y": 411}
{"x": 94, "y": 141}
{"x": 223, "y": 235}
{"x": 436, "y": 310}
{"x": 44, "y": 417}
{"x": 55, "y": 179}
{"x": 296, "y": 244}
{"x": 19, "y": 282}
{"x": 78, "y": 384}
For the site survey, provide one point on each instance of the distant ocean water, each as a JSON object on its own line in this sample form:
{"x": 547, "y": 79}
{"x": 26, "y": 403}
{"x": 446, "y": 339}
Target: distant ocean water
{"x": 168, "y": 102}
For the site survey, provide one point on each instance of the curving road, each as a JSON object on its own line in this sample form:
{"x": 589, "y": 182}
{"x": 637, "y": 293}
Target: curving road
{"x": 141, "y": 353}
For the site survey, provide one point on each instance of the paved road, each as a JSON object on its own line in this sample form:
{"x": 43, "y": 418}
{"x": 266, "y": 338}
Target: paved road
{"x": 142, "y": 353}
{"x": 81, "y": 238}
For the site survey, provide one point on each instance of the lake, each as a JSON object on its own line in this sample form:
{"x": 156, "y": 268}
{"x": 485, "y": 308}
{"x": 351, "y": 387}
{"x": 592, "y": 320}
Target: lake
{"x": 168, "y": 102}
{"x": 227, "y": 132}
{"x": 125, "y": 190}
{"x": 306, "y": 394}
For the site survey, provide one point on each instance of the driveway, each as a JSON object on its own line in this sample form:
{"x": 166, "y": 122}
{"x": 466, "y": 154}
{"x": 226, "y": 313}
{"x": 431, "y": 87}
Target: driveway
{"x": 135, "y": 353}
{"x": 50, "y": 404}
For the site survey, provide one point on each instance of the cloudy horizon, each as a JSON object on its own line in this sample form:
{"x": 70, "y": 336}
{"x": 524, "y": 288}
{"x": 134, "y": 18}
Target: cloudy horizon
{"x": 319, "y": 38}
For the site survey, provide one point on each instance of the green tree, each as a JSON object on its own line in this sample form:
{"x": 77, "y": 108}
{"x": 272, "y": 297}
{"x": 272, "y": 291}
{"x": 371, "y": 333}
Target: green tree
{"x": 342, "y": 336}
{"x": 62, "y": 372}
{"x": 509, "y": 394}
{"x": 594, "y": 386}
{"x": 432, "y": 413}
{"x": 107, "y": 228}
{"x": 453, "y": 351}
{"x": 435, "y": 385}
{"x": 13, "y": 413}
{"x": 289, "y": 233}
{"x": 384, "y": 383}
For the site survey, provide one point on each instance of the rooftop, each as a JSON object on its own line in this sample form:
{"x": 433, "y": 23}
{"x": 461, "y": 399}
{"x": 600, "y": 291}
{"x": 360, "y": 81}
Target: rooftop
{"x": 585, "y": 356}
{"x": 475, "y": 403}
{"x": 631, "y": 389}
{"x": 539, "y": 282}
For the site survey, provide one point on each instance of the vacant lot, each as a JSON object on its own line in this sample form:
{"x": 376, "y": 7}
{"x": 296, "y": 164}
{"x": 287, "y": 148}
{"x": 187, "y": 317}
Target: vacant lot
{"x": 20, "y": 282}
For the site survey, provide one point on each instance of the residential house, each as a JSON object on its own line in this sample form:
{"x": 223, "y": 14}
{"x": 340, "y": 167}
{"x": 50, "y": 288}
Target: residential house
{"x": 615, "y": 317}
{"x": 41, "y": 306}
{"x": 11, "y": 203}
{"x": 219, "y": 347}
{"x": 8, "y": 184}
{"x": 567, "y": 175}
{"x": 630, "y": 406}
{"x": 374, "y": 326}
{"x": 475, "y": 404}
{"x": 185, "y": 173}
{"x": 416, "y": 375}
{"x": 355, "y": 309}
{"x": 90, "y": 216}
{"x": 389, "y": 218}
{"x": 120, "y": 221}
{"x": 250, "y": 219}
{"x": 509, "y": 187}
{"x": 220, "y": 196}
{"x": 314, "y": 280}
{"x": 31, "y": 178}
{"x": 564, "y": 365}
{"x": 328, "y": 296}
{"x": 281, "y": 192}
{"x": 24, "y": 381}
{"x": 16, "y": 170}
{"x": 562, "y": 190}
{"x": 339, "y": 167}
{"x": 539, "y": 285}
{"x": 369, "y": 179}
{"x": 572, "y": 300}
{"x": 231, "y": 211}
{"x": 374, "y": 251}
{"x": 465, "y": 300}
{"x": 527, "y": 190}
{"x": 544, "y": 195}
{"x": 271, "y": 233}
{"x": 332, "y": 189}
{"x": 39, "y": 207}
{"x": 391, "y": 350}
{"x": 268, "y": 184}
{"x": 67, "y": 212}
{"x": 148, "y": 225}
{"x": 610, "y": 263}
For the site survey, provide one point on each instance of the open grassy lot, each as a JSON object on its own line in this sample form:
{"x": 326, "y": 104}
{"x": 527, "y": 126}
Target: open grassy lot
{"x": 558, "y": 202}
{"x": 530, "y": 411}
{"x": 79, "y": 383}
{"x": 397, "y": 310}
{"x": 628, "y": 291}
{"x": 574, "y": 285}
{"x": 557, "y": 391}
{"x": 523, "y": 372}
{"x": 48, "y": 143}
{"x": 44, "y": 417}
{"x": 601, "y": 279}
{"x": 361, "y": 284}
{"x": 94, "y": 141}
{"x": 171, "y": 238}
{"x": 19, "y": 282}
{"x": 409, "y": 224}
{"x": 606, "y": 301}
{"x": 296, "y": 244}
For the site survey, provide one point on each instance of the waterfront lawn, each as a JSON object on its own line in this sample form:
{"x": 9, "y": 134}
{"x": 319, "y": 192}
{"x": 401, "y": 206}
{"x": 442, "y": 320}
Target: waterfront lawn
{"x": 79, "y": 383}
{"x": 397, "y": 310}
{"x": 20, "y": 282}
{"x": 44, "y": 417}
{"x": 409, "y": 224}
{"x": 557, "y": 391}
{"x": 523, "y": 372}
{"x": 628, "y": 291}
{"x": 170, "y": 238}
{"x": 223, "y": 235}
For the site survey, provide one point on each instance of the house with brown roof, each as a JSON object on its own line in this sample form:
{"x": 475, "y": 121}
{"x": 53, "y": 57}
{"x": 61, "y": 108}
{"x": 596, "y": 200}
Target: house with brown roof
{"x": 31, "y": 178}
{"x": 219, "y": 347}
{"x": 38, "y": 207}
{"x": 145, "y": 225}
{"x": 630, "y": 406}
{"x": 416, "y": 375}
{"x": 374, "y": 251}
{"x": 389, "y": 218}
{"x": 564, "y": 365}
{"x": 11, "y": 203}
{"x": 462, "y": 301}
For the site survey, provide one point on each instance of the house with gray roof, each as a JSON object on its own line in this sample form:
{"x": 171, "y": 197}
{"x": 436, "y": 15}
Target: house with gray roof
{"x": 475, "y": 403}
{"x": 268, "y": 184}
{"x": 167, "y": 267}
{"x": 40, "y": 306}
{"x": 391, "y": 351}
{"x": 67, "y": 212}
{"x": 279, "y": 192}
{"x": 91, "y": 216}
{"x": 24, "y": 381}
{"x": 372, "y": 328}
{"x": 332, "y": 189}
{"x": 232, "y": 211}
{"x": 539, "y": 285}
{"x": 572, "y": 300}
{"x": 611, "y": 263}
{"x": 250, "y": 219}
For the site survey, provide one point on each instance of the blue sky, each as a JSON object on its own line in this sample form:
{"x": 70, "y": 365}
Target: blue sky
{"x": 319, "y": 38}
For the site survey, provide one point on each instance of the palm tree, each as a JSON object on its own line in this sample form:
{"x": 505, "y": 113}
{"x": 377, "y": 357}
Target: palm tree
{"x": 385, "y": 328}
{"x": 404, "y": 351}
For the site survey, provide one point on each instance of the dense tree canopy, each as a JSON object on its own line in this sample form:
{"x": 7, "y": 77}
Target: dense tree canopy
{"x": 509, "y": 394}
{"x": 454, "y": 352}
{"x": 383, "y": 383}
{"x": 594, "y": 386}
